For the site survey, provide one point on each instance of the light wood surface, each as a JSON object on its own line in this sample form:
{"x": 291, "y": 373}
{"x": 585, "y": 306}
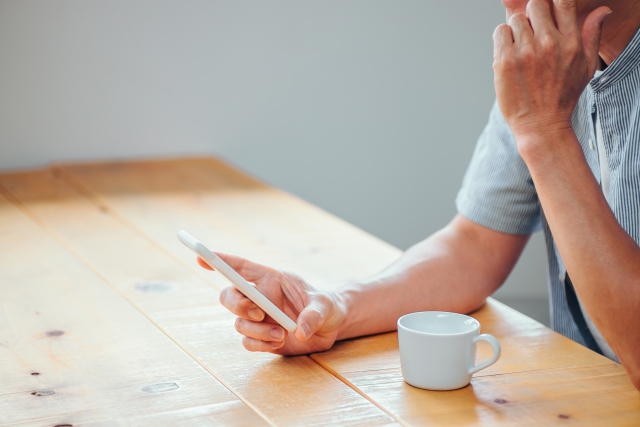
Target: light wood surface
{"x": 72, "y": 351}
{"x": 186, "y": 308}
{"x": 116, "y": 222}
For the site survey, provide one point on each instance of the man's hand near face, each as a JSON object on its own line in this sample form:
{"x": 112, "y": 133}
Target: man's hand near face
{"x": 542, "y": 66}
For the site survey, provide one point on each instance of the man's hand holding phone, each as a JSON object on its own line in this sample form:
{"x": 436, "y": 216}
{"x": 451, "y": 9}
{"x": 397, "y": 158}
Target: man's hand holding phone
{"x": 318, "y": 314}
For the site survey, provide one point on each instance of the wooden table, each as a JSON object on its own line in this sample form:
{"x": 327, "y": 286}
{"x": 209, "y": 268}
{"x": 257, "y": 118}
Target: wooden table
{"x": 105, "y": 318}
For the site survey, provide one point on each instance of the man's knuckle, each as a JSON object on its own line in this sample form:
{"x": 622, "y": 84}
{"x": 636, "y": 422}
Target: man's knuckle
{"x": 315, "y": 315}
{"x": 527, "y": 54}
{"x": 519, "y": 20}
{"x": 522, "y": 18}
{"x": 500, "y": 30}
{"x": 535, "y": 3}
{"x": 565, "y": 4}
{"x": 572, "y": 48}
{"x": 248, "y": 344}
{"x": 501, "y": 58}
{"x": 238, "y": 324}
{"x": 243, "y": 304}
{"x": 236, "y": 306}
{"x": 548, "y": 43}
{"x": 508, "y": 63}
{"x": 224, "y": 296}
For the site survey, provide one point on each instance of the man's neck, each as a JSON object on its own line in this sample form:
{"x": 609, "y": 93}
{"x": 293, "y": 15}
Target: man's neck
{"x": 619, "y": 28}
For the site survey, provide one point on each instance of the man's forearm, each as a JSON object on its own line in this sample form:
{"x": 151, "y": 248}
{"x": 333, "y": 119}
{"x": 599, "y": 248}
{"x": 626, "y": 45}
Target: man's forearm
{"x": 601, "y": 258}
{"x": 456, "y": 269}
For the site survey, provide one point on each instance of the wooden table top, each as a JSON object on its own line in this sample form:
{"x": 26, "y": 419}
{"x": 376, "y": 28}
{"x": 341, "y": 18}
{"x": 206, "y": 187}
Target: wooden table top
{"x": 105, "y": 318}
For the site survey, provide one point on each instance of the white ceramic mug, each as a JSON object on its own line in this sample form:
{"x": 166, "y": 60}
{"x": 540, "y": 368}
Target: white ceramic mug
{"x": 438, "y": 349}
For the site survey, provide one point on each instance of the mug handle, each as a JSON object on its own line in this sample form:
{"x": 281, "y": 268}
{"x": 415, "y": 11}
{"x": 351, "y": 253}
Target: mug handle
{"x": 496, "y": 352}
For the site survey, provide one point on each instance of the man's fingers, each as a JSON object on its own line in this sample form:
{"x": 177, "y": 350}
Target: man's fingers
{"x": 521, "y": 29}
{"x": 539, "y": 15}
{"x": 309, "y": 321}
{"x": 566, "y": 16}
{"x": 240, "y": 305}
{"x": 591, "y": 33}
{"x": 502, "y": 41}
{"x": 251, "y": 271}
{"x": 253, "y": 344}
{"x": 260, "y": 330}
{"x": 203, "y": 264}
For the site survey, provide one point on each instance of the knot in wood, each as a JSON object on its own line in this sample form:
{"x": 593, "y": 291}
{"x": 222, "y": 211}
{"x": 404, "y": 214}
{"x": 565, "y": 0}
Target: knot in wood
{"x": 43, "y": 393}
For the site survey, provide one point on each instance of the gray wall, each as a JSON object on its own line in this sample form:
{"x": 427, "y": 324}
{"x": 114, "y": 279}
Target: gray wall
{"x": 369, "y": 109}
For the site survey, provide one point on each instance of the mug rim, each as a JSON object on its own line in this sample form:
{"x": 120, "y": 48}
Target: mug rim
{"x": 401, "y": 326}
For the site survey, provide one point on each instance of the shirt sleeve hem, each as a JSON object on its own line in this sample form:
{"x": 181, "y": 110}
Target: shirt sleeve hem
{"x": 497, "y": 219}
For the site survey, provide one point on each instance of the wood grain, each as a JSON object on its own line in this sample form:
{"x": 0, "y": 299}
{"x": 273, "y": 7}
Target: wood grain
{"x": 284, "y": 233}
{"x": 287, "y": 391}
{"x": 587, "y": 396}
{"x": 233, "y": 213}
{"x": 72, "y": 351}
{"x": 526, "y": 346}
{"x": 542, "y": 378}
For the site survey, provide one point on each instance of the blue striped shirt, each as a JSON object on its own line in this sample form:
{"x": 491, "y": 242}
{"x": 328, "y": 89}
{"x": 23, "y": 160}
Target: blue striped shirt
{"x": 498, "y": 192}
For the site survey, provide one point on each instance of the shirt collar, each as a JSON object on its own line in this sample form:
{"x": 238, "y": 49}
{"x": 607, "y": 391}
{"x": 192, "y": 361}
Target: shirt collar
{"x": 620, "y": 67}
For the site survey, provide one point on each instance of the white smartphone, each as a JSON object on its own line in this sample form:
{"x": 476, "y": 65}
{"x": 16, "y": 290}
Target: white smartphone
{"x": 238, "y": 281}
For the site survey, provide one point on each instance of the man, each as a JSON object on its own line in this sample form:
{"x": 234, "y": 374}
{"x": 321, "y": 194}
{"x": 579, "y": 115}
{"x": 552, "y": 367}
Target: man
{"x": 561, "y": 152}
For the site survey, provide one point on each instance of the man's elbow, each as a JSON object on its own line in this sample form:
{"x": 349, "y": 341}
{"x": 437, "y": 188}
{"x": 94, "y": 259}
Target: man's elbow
{"x": 633, "y": 372}
{"x": 635, "y": 379}
{"x": 472, "y": 305}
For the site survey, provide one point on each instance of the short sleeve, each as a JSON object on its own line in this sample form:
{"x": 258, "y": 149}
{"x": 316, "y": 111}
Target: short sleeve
{"x": 497, "y": 190}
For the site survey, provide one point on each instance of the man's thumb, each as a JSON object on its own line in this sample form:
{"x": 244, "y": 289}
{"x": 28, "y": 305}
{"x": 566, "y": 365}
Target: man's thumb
{"x": 309, "y": 321}
{"x": 591, "y": 32}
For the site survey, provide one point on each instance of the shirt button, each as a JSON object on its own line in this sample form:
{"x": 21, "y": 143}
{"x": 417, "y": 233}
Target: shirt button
{"x": 591, "y": 145}
{"x": 604, "y": 79}
{"x": 561, "y": 277}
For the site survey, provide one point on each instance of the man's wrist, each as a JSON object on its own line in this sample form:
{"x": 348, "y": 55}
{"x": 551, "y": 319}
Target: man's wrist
{"x": 545, "y": 146}
{"x": 345, "y": 299}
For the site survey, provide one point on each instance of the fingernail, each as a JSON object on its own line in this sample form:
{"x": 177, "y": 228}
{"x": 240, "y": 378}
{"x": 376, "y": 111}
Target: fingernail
{"x": 256, "y": 314}
{"x": 306, "y": 330}
{"x": 277, "y": 333}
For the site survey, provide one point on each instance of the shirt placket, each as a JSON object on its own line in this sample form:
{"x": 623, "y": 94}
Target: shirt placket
{"x": 591, "y": 155}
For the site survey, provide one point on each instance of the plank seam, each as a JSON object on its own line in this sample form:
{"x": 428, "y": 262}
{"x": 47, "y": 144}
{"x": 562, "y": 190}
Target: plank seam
{"x": 360, "y": 392}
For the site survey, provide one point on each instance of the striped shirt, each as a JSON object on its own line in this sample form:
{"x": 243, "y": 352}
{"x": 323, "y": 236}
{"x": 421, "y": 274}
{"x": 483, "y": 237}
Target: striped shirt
{"x": 498, "y": 192}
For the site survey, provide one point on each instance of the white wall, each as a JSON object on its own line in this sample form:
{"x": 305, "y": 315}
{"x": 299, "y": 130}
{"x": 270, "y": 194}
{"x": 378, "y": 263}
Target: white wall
{"x": 367, "y": 108}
